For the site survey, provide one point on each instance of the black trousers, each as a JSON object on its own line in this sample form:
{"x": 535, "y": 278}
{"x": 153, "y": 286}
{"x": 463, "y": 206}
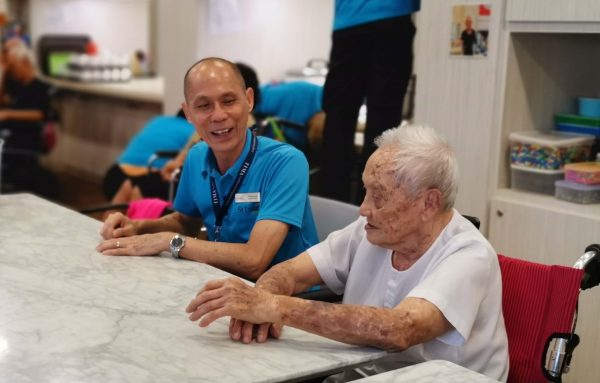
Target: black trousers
{"x": 369, "y": 63}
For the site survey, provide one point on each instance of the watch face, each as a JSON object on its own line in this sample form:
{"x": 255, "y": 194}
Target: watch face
{"x": 177, "y": 242}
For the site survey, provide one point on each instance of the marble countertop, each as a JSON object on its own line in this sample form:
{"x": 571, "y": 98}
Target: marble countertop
{"x": 69, "y": 314}
{"x": 137, "y": 89}
{"x": 432, "y": 371}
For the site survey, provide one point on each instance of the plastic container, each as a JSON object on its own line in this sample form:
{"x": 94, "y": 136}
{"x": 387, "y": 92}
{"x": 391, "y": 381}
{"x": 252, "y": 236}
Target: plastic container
{"x": 578, "y": 193}
{"x": 589, "y": 107}
{"x": 548, "y": 150}
{"x": 534, "y": 180}
{"x": 577, "y": 124}
{"x": 583, "y": 173}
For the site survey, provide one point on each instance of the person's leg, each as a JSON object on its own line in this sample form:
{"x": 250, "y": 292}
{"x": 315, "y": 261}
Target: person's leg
{"x": 389, "y": 74}
{"x": 113, "y": 181}
{"x": 122, "y": 196}
{"x": 343, "y": 94}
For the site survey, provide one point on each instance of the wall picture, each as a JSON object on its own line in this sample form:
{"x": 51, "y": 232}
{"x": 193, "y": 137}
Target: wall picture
{"x": 470, "y": 30}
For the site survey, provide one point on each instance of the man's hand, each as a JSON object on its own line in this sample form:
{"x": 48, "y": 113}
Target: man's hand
{"x": 232, "y": 297}
{"x": 118, "y": 225}
{"x": 146, "y": 244}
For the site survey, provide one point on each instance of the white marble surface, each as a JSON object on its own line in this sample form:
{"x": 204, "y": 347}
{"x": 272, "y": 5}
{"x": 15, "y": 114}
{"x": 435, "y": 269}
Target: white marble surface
{"x": 433, "y": 371}
{"x": 69, "y": 314}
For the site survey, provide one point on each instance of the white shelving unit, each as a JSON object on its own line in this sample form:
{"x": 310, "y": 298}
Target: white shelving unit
{"x": 543, "y": 54}
{"x": 550, "y": 55}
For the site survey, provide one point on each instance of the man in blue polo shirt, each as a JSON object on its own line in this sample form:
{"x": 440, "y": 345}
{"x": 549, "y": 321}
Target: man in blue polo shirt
{"x": 250, "y": 192}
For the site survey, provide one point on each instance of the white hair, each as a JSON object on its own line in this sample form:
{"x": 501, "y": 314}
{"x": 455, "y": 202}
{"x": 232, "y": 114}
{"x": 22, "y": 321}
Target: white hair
{"x": 20, "y": 52}
{"x": 421, "y": 159}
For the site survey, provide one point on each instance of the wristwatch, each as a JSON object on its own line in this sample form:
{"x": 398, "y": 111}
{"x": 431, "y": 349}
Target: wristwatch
{"x": 177, "y": 243}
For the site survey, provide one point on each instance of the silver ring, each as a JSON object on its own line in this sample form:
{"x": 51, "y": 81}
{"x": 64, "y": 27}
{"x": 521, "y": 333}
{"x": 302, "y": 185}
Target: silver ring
{"x": 118, "y": 244}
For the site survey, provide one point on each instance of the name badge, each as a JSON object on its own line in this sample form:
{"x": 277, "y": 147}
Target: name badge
{"x": 247, "y": 197}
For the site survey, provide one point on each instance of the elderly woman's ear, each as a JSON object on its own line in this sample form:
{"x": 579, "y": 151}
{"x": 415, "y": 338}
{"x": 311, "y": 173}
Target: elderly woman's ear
{"x": 432, "y": 201}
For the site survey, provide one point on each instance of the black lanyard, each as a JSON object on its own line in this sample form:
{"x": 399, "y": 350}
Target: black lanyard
{"x": 221, "y": 211}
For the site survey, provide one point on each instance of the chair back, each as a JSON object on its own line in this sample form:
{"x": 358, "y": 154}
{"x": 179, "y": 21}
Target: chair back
{"x": 331, "y": 215}
{"x": 537, "y": 301}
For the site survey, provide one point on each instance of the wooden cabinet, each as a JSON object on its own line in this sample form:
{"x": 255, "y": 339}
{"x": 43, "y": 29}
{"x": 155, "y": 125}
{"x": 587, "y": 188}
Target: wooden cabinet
{"x": 94, "y": 130}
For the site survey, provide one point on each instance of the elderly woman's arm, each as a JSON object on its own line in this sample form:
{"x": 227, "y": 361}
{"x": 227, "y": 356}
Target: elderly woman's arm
{"x": 412, "y": 322}
{"x": 21, "y": 115}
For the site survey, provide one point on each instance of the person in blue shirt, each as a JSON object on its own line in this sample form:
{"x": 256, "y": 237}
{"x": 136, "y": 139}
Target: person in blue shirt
{"x": 132, "y": 177}
{"x": 250, "y": 192}
{"x": 370, "y": 61}
{"x": 296, "y": 101}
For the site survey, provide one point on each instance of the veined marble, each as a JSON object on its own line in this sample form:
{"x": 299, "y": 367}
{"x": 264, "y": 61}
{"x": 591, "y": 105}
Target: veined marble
{"x": 70, "y": 314}
{"x": 433, "y": 371}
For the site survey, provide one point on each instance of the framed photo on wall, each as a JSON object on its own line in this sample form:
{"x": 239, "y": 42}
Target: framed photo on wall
{"x": 470, "y": 30}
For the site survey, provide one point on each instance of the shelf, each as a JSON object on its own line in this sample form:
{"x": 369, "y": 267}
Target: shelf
{"x": 548, "y": 202}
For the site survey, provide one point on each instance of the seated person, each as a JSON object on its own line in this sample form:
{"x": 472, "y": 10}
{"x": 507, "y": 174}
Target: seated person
{"x": 251, "y": 192}
{"x": 131, "y": 178}
{"x": 24, "y": 103}
{"x": 298, "y": 102}
{"x": 418, "y": 278}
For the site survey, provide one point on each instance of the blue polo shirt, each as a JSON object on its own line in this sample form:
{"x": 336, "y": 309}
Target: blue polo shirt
{"x": 295, "y": 101}
{"x": 278, "y": 176}
{"x": 349, "y": 13}
{"x": 161, "y": 133}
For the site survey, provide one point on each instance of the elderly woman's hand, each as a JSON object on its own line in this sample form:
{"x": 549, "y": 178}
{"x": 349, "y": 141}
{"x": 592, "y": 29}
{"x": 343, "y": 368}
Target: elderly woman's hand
{"x": 232, "y": 297}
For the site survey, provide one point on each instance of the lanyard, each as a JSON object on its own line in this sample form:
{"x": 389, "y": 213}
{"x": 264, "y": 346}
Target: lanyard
{"x": 221, "y": 211}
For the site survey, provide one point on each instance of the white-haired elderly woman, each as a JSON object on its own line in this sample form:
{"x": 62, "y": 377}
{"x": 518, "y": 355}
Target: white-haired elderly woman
{"x": 418, "y": 278}
{"x": 24, "y": 100}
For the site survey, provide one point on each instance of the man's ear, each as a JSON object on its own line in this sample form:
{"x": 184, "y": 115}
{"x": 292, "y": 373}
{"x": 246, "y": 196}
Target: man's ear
{"x": 184, "y": 107}
{"x": 250, "y": 98}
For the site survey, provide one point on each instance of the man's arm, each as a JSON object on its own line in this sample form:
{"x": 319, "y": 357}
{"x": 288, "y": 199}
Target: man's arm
{"x": 248, "y": 260}
{"x": 117, "y": 225}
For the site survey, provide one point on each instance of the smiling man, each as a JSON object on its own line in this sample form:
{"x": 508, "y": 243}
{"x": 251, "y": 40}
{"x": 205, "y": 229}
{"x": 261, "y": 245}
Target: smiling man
{"x": 418, "y": 278}
{"x": 250, "y": 192}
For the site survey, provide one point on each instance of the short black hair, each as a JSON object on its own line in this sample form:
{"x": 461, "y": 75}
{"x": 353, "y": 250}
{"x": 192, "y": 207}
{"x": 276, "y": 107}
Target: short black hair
{"x": 251, "y": 79}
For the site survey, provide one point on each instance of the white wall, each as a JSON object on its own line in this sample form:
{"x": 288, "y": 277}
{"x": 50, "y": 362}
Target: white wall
{"x": 273, "y": 36}
{"x": 119, "y": 26}
{"x": 456, "y": 96}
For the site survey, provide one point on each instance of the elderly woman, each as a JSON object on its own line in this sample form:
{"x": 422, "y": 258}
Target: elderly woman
{"x": 418, "y": 278}
{"x": 24, "y": 103}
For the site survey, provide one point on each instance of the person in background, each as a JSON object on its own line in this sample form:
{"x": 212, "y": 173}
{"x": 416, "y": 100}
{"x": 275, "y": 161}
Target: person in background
{"x": 24, "y": 105}
{"x": 299, "y": 102}
{"x": 371, "y": 60}
{"x": 250, "y": 192}
{"x": 418, "y": 278}
{"x": 468, "y": 37}
{"x": 133, "y": 177}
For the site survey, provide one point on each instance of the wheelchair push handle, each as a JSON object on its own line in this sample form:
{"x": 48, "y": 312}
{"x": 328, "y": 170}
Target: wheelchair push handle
{"x": 589, "y": 262}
